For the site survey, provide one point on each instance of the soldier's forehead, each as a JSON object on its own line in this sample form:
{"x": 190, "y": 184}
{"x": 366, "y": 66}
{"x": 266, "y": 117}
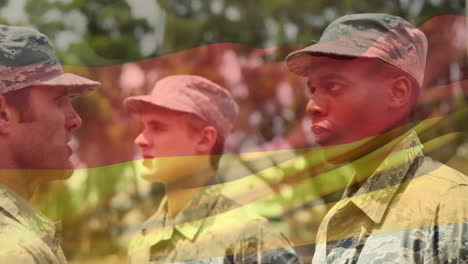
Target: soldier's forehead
{"x": 332, "y": 67}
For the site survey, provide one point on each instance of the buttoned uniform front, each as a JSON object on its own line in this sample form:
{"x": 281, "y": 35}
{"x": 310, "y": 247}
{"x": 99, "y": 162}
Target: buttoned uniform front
{"x": 412, "y": 209}
{"x": 26, "y": 235}
{"x": 211, "y": 229}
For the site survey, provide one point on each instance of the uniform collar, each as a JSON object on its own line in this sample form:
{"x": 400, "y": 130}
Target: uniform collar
{"x": 21, "y": 211}
{"x": 188, "y": 221}
{"x": 191, "y": 218}
{"x": 377, "y": 191}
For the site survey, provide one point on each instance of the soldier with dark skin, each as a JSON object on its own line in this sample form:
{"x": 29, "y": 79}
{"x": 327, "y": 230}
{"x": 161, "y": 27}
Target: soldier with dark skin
{"x": 186, "y": 120}
{"x": 36, "y": 124}
{"x": 399, "y": 206}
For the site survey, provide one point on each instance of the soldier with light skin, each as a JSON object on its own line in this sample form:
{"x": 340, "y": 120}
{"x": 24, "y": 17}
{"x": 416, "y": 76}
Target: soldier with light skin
{"x": 185, "y": 121}
{"x": 399, "y": 206}
{"x": 36, "y": 124}
{"x": 175, "y": 133}
{"x": 172, "y": 136}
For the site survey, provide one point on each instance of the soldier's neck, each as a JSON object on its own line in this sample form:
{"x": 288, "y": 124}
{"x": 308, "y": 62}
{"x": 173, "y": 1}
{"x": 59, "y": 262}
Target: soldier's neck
{"x": 181, "y": 193}
{"x": 19, "y": 181}
{"x": 372, "y": 155}
{"x": 178, "y": 199}
{"x": 356, "y": 150}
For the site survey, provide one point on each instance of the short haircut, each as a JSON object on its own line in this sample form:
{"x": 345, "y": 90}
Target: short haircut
{"x": 196, "y": 124}
{"x": 390, "y": 71}
{"x": 19, "y": 100}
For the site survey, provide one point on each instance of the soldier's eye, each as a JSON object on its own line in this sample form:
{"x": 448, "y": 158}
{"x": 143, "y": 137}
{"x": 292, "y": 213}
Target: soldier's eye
{"x": 155, "y": 126}
{"x": 311, "y": 87}
{"x": 312, "y": 90}
{"x": 333, "y": 86}
{"x": 61, "y": 101}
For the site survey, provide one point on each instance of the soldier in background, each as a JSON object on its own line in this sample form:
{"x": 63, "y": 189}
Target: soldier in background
{"x": 36, "y": 122}
{"x": 185, "y": 121}
{"x": 400, "y": 206}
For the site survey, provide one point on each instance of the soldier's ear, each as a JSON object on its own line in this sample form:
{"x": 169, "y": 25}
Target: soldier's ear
{"x": 207, "y": 140}
{"x": 399, "y": 92}
{"x": 5, "y": 116}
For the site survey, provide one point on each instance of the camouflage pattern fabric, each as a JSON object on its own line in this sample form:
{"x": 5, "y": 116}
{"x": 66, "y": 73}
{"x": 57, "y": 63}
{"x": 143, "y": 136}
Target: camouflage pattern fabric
{"x": 211, "y": 229}
{"x": 385, "y": 37}
{"x": 27, "y": 58}
{"x": 412, "y": 209}
{"x": 26, "y": 235}
{"x": 191, "y": 94}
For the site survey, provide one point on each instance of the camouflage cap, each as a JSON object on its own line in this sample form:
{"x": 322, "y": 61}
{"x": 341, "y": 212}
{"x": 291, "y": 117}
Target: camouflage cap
{"x": 191, "y": 94}
{"x": 385, "y": 37}
{"x": 28, "y": 58}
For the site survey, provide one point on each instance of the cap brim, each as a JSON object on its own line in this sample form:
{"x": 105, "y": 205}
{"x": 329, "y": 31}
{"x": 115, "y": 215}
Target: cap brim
{"x": 137, "y": 104}
{"x": 346, "y": 46}
{"x": 300, "y": 61}
{"x": 77, "y": 85}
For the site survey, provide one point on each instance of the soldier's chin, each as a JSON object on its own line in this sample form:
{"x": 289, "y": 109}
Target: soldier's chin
{"x": 154, "y": 170}
{"x": 324, "y": 138}
{"x": 149, "y": 170}
{"x": 65, "y": 174}
{"x": 53, "y": 174}
{"x": 167, "y": 170}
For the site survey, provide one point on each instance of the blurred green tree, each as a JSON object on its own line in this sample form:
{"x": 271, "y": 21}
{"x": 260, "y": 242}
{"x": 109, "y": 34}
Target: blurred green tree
{"x": 96, "y": 38}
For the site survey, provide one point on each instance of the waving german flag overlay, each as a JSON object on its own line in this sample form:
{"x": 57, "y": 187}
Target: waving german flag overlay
{"x": 271, "y": 175}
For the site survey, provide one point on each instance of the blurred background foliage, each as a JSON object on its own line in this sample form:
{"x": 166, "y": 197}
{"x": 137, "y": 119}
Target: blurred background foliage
{"x": 129, "y": 44}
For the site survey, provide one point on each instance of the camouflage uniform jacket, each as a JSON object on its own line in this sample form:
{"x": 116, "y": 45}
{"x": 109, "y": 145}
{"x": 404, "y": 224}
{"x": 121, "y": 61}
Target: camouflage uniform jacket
{"x": 26, "y": 235}
{"x": 211, "y": 229}
{"x": 412, "y": 209}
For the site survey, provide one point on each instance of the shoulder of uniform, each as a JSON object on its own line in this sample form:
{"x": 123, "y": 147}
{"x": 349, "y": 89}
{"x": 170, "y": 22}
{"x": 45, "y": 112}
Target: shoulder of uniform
{"x": 17, "y": 239}
{"x": 23, "y": 247}
{"x": 444, "y": 176}
{"x": 8, "y": 224}
{"x": 16, "y": 254}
